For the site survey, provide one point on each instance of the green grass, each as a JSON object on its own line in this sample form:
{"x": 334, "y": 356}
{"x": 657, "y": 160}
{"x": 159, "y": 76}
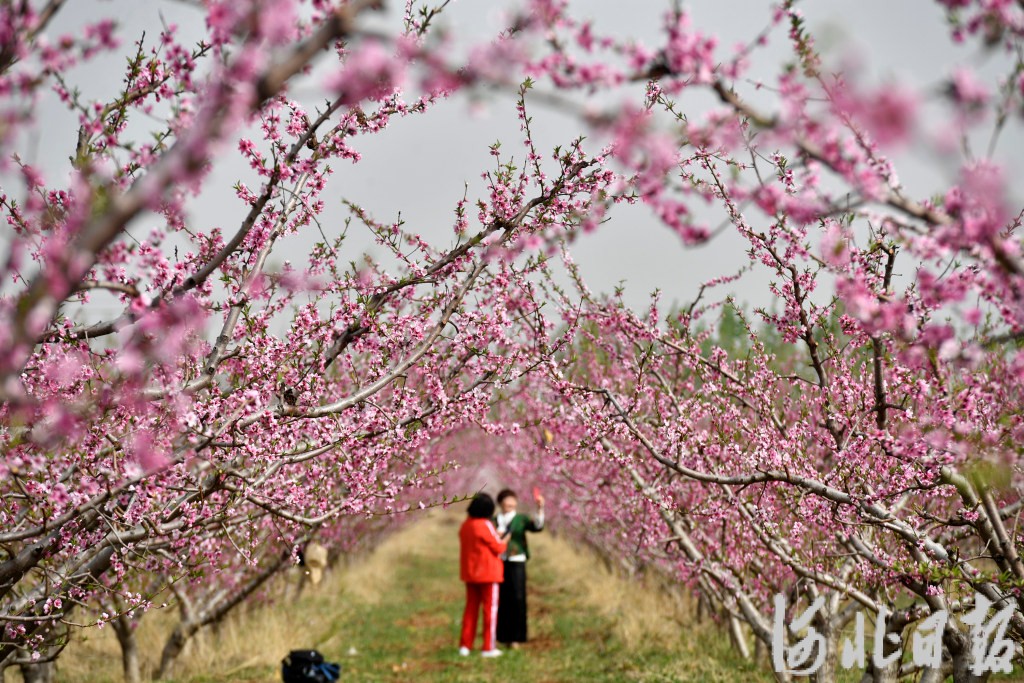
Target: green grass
{"x": 407, "y": 628}
{"x": 412, "y": 634}
{"x": 395, "y": 615}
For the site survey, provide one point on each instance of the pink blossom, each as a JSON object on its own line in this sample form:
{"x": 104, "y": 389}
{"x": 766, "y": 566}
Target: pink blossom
{"x": 888, "y": 114}
{"x": 834, "y": 247}
{"x": 369, "y": 72}
{"x": 967, "y": 91}
{"x": 146, "y": 451}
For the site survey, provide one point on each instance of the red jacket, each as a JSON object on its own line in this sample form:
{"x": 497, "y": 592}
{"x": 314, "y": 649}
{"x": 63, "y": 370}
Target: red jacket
{"x": 479, "y": 550}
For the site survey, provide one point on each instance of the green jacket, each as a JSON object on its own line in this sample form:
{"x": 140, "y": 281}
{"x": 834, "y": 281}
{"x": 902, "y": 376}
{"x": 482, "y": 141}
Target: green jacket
{"x": 519, "y": 525}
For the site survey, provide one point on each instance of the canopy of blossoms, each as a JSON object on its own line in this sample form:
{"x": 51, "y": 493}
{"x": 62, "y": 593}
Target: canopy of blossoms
{"x": 857, "y": 441}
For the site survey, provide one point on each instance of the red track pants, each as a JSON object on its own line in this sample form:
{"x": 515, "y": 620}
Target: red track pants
{"x": 477, "y": 595}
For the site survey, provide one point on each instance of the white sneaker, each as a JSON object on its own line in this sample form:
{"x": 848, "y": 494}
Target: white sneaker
{"x": 491, "y": 653}
{"x": 463, "y": 651}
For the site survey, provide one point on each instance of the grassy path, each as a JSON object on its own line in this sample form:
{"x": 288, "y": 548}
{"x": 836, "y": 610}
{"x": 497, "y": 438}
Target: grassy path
{"x": 397, "y": 616}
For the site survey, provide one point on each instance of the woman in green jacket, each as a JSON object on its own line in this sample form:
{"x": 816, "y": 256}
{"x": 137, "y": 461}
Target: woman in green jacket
{"x": 512, "y": 592}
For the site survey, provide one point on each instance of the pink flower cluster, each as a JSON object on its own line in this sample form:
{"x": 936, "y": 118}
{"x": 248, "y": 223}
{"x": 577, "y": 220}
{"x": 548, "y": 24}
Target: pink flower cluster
{"x": 856, "y": 439}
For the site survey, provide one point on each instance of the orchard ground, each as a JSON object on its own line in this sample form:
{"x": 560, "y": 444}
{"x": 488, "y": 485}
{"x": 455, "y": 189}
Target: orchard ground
{"x": 394, "y": 616}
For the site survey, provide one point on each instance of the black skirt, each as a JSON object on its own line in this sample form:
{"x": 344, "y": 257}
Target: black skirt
{"x": 512, "y": 604}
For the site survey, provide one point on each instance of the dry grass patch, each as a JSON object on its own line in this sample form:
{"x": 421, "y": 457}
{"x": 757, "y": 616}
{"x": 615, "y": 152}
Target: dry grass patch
{"x": 258, "y": 636}
{"x": 251, "y": 638}
{"x": 641, "y": 608}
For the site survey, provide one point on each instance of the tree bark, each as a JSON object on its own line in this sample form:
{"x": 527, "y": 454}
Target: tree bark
{"x": 962, "y": 671}
{"x": 830, "y": 663}
{"x": 782, "y": 677}
{"x": 934, "y": 675}
{"x": 174, "y": 646}
{"x": 887, "y": 674}
{"x": 124, "y": 628}
{"x": 192, "y": 621}
{"x": 43, "y": 672}
{"x": 829, "y": 667}
{"x": 180, "y": 636}
{"x": 736, "y": 631}
{"x": 959, "y": 646}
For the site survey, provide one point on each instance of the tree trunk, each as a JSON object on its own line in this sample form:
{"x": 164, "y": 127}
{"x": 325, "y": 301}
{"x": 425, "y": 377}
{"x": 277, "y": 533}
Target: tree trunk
{"x": 179, "y": 637}
{"x": 830, "y": 664}
{"x": 193, "y": 620}
{"x": 738, "y": 640}
{"x": 124, "y": 628}
{"x": 934, "y": 675}
{"x": 174, "y": 646}
{"x": 962, "y": 671}
{"x": 959, "y": 646}
{"x": 782, "y": 677}
{"x": 43, "y": 672}
{"x": 887, "y": 674}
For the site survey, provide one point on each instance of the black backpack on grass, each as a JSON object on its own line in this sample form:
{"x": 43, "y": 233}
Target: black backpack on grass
{"x": 308, "y": 666}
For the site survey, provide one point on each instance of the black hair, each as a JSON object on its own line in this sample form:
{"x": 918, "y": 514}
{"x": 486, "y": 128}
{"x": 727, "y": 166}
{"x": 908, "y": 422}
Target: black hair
{"x": 481, "y": 507}
{"x": 506, "y": 493}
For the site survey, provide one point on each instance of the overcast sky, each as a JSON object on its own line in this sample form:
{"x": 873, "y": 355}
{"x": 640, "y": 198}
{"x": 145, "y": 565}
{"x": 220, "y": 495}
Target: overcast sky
{"x": 419, "y": 165}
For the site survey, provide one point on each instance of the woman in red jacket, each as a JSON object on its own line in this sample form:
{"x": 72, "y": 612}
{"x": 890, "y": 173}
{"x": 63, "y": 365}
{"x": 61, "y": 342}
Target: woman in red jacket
{"x": 481, "y": 568}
